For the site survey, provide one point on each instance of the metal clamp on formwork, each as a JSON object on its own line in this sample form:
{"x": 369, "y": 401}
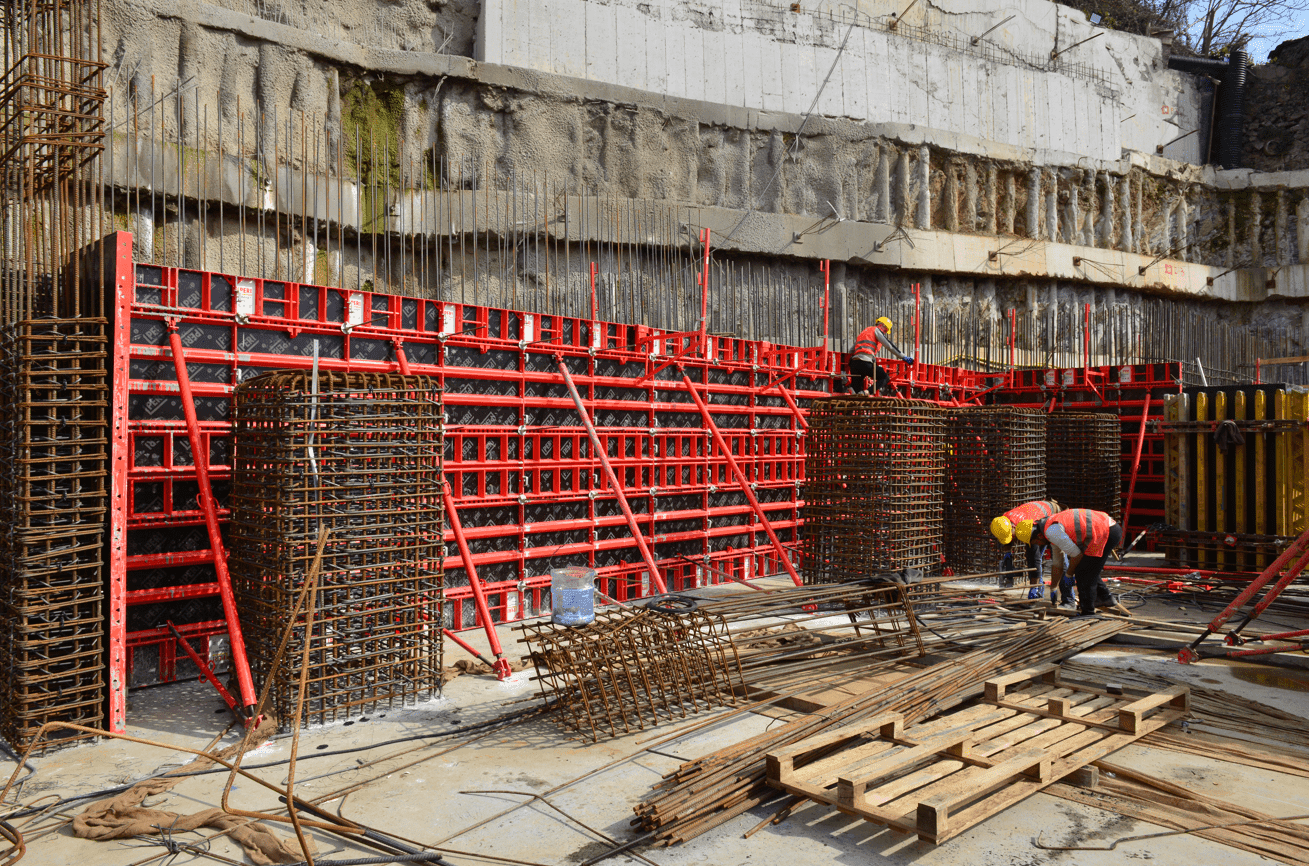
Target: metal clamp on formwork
{"x": 501, "y": 664}
{"x": 741, "y": 480}
{"x": 1299, "y": 552}
{"x": 598, "y": 449}
{"x": 200, "y": 458}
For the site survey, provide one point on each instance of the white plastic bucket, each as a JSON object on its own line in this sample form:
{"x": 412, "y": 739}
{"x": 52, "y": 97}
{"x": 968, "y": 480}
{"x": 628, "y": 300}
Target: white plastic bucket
{"x": 572, "y": 595}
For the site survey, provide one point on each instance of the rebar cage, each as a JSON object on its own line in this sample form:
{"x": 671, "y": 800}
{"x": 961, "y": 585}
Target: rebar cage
{"x": 635, "y": 667}
{"x": 1084, "y": 455}
{"x": 996, "y": 460}
{"x": 55, "y": 498}
{"x": 874, "y": 488}
{"x": 359, "y": 455}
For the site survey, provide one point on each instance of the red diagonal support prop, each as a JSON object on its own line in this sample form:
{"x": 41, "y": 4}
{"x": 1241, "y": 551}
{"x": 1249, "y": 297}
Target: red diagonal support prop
{"x": 200, "y": 458}
{"x": 1297, "y": 550}
{"x": 206, "y": 671}
{"x": 598, "y": 449}
{"x": 741, "y": 480}
{"x": 501, "y": 665}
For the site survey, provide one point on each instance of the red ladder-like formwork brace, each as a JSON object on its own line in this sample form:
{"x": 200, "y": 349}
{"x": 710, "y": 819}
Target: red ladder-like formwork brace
{"x": 526, "y": 481}
{"x": 1286, "y": 568}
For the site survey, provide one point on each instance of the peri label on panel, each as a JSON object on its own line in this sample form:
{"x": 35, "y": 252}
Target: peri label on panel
{"x": 245, "y": 297}
{"x": 355, "y": 309}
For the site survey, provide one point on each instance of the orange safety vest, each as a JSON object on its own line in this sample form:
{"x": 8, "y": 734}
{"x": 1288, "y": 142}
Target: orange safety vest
{"x": 1033, "y": 511}
{"x": 866, "y": 343}
{"x": 1088, "y": 529}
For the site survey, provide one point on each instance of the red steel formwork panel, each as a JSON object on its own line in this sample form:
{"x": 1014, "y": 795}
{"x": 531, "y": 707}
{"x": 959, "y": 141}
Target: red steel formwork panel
{"x": 1135, "y": 393}
{"x": 529, "y": 493}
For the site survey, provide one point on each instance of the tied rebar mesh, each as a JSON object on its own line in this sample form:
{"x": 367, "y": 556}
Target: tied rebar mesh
{"x": 635, "y": 667}
{"x": 874, "y": 488}
{"x": 55, "y": 496}
{"x": 996, "y": 461}
{"x": 361, "y": 457}
{"x": 1083, "y": 451}
{"x": 52, "y": 133}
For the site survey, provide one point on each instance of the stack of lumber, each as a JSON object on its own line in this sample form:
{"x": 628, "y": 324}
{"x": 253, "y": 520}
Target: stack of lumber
{"x": 709, "y": 791}
{"x": 941, "y": 777}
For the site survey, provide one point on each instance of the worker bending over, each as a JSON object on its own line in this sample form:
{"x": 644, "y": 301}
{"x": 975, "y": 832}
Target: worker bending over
{"x": 1085, "y": 537}
{"x": 1002, "y": 528}
{"x": 863, "y": 357}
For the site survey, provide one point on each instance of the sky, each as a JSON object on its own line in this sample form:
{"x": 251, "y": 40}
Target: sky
{"x": 1296, "y": 27}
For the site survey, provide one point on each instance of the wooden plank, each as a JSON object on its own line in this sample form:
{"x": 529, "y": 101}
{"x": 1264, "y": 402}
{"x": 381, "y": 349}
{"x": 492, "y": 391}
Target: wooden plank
{"x": 996, "y": 686}
{"x": 888, "y": 724}
{"x": 940, "y": 778}
{"x": 1132, "y": 716}
{"x": 933, "y": 814}
{"x": 824, "y": 772}
{"x": 850, "y": 787}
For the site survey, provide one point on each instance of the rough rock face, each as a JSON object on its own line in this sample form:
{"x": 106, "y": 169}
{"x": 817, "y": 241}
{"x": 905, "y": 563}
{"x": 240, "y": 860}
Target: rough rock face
{"x": 1277, "y": 110}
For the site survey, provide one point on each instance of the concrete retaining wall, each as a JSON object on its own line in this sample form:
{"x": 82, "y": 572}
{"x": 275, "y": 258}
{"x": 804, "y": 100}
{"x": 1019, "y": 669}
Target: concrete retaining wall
{"x": 1110, "y": 93}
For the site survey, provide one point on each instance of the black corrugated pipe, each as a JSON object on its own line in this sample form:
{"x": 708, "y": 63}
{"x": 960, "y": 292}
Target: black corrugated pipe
{"x": 1229, "y": 143}
{"x": 1228, "y": 120}
{"x": 1199, "y": 65}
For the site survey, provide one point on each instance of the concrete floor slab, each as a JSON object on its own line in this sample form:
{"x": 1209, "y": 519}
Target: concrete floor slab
{"x": 426, "y": 789}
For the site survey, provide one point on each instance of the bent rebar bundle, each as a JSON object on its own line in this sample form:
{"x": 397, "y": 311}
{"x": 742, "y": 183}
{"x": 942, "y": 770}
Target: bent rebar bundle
{"x": 874, "y": 487}
{"x": 55, "y": 496}
{"x": 997, "y": 460}
{"x": 360, "y": 454}
{"x": 635, "y": 667}
{"x": 1084, "y": 450}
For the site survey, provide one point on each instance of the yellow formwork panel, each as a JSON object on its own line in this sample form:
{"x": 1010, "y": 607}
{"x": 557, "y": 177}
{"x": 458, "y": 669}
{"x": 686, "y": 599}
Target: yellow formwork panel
{"x": 1239, "y": 490}
{"x": 1262, "y": 523}
{"x": 1220, "y": 479}
{"x": 1238, "y": 473}
{"x": 1281, "y": 476}
{"x": 1202, "y": 512}
{"x": 1176, "y": 466}
{"x": 1297, "y": 403}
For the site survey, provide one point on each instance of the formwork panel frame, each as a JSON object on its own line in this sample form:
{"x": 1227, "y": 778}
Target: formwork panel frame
{"x": 522, "y": 471}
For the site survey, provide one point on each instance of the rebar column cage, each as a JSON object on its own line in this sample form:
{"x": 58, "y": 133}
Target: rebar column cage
{"x": 874, "y": 488}
{"x": 53, "y": 507}
{"x": 361, "y": 454}
{"x": 1083, "y": 451}
{"x": 635, "y": 667}
{"x": 996, "y": 460}
{"x": 51, "y": 132}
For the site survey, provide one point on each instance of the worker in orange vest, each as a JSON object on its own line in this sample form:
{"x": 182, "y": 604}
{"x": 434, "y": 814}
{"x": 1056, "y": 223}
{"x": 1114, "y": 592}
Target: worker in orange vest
{"x": 1085, "y": 537}
{"x": 863, "y": 357}
{"x": 1002, "y": 528}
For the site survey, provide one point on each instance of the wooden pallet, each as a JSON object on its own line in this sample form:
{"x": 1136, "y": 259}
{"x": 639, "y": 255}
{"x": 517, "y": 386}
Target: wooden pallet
{"x": 941, "y": 777}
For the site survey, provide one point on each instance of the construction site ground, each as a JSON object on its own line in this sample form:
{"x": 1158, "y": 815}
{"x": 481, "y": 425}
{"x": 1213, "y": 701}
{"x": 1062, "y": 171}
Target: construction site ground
{"x": 477, "y": 796}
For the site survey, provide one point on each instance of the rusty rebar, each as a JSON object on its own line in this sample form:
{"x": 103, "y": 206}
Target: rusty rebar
{"x": 874, "y": 488}
{"x": 360, "y": 454}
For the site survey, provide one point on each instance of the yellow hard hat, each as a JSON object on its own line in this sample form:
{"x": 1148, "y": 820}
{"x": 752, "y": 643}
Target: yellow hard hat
{"x": 885, "y": 323}
{"x": 1023, "y": 531}
{"x": 1003, "y": 530}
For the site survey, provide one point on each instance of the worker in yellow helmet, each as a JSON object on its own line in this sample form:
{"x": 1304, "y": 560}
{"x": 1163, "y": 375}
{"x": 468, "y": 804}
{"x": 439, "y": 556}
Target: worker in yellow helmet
{"x": 1086, "y": 537}
{"x": 863, "y": 357}
{"x": 1002, "y": 527}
